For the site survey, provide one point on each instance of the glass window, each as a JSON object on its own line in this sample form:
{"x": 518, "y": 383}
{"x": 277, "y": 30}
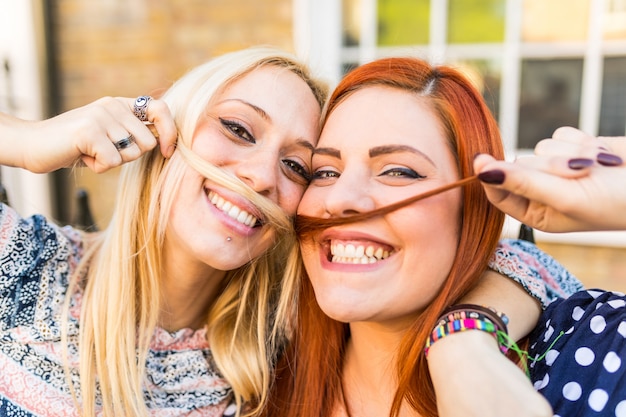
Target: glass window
{"x": 476, "y": 21}
{"x": 486, "y": 75}
{"x": 351, "y": 22}
{"x": 555, "y": 20}
{"x": 403, "y": 22}
{"x": 549, "y": 98}
{"x": 614, "y": 25}
{"x": 613, "y": 105}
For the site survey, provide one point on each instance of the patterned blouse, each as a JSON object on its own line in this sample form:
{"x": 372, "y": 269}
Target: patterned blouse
{"x": 37, "y": 259}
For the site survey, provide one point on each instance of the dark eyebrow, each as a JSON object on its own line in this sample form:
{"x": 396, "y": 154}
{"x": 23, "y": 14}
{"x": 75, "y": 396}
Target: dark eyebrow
{"x": 327, "y": 151}
{"x": 257, "y": 109}
{"x": 305, "y": 144}
{"x": 387, "y": 149}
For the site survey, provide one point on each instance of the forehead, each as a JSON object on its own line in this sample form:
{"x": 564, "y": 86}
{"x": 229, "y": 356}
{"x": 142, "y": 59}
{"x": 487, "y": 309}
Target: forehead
{"x": 270, "y": 84}
{"x": 283, "y": 97}
{"x": 381, "y": 115}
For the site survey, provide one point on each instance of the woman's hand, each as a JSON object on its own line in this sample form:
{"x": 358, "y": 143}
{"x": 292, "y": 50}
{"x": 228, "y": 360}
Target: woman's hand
{"x": 574, "y": 182}
{"x": 472, "y": 378}
{"x": 88, "y": 134}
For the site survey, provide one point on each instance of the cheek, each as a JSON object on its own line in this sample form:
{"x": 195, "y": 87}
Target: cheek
{"x": 210, "y": 145}
{"x": 289, "y": 196}
{"x": 436, "y": 223}
{"x": 309, "y": 204}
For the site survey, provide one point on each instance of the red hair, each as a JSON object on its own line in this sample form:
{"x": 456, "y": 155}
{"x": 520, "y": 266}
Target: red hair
{"x": 309, "y": 375}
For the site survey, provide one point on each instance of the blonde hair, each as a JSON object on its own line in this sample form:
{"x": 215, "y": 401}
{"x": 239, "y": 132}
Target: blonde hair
{"x": 248, "y": 323}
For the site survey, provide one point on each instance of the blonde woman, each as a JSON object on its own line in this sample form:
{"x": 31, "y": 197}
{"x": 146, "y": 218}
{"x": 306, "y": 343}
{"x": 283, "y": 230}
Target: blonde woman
{"x": 187, "y": 277}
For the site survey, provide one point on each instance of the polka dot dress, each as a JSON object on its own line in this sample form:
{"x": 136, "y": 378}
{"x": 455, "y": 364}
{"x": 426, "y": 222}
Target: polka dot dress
{"x": 580, "y": 352}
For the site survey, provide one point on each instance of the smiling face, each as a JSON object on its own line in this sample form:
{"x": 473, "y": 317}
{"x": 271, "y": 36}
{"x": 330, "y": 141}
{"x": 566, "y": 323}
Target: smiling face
{"x": 261, "y": 128}
{"x": 379, "y": 146}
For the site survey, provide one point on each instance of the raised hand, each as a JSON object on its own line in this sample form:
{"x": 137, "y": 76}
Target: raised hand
{"x": 102, "y": 134}
{"x": 574, "y": 182}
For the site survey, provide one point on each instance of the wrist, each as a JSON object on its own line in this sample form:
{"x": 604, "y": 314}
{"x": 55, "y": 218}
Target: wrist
{"x": 462, "y": 317}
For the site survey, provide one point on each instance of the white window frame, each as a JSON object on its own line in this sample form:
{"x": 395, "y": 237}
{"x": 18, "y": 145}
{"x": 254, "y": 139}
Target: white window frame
{"x": 318, "y": 35}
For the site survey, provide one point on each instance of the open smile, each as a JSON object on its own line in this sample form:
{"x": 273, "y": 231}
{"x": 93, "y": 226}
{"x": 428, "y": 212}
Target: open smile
{"x": 233, "y": 211}
{"x": 356, "y": 253}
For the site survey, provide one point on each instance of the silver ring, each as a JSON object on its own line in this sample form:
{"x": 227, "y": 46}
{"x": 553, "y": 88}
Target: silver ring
{"x": 140, "y": 108}
{"x": 124, "y": 143}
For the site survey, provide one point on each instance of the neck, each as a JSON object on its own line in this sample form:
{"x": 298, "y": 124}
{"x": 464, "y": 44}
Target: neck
{"x": 369, "y": 371}
{"x": 188, "y": 292}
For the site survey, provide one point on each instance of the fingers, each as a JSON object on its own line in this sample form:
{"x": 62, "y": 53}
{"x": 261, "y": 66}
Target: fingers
{"x": 158, "y": 120}
{"x": 572, "y": 135}
{"x": 527, "y": 188}
{"x": 129, "y": 136}
{"x": 115, "y": 135}
{"x": 574, "y": 143}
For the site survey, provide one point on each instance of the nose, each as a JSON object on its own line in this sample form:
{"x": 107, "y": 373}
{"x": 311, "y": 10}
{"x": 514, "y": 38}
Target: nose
{"x": 348, "y": 196}
{"x": 259, "y": 170}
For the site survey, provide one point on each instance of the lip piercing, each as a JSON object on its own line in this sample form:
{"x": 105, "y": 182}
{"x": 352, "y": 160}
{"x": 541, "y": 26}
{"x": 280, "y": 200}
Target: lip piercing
{"x": 228, "y": 239}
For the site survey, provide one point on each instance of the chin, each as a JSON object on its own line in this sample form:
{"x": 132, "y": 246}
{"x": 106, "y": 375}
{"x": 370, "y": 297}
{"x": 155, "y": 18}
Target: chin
{"x": 340, "y": 310}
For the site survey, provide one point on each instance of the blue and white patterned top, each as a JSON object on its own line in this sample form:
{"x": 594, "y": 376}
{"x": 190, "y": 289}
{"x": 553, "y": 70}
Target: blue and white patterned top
{"x": 37, "y": 259}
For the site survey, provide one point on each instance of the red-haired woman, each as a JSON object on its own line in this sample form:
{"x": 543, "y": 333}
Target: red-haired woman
{"x": 380, "y": 275}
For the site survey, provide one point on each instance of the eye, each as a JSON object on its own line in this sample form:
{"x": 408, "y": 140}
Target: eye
{"x": 324, "y": 174}
{"x": 237, "y": 130}
{"x": 298, "y": 169}
{"x": 402, "y": 173}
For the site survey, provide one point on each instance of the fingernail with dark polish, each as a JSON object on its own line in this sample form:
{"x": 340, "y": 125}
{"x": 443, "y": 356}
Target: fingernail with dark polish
{"x": 579, "y": 163}
{"x": 495, "y": 177}
{"x": 609, "y": 159}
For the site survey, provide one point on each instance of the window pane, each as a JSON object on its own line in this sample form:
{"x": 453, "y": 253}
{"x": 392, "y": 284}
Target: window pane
{"x": 613, "y": 107}
{"x": 486, "y": 75}
{"x": 549, "y": 98}
{"x": 555, "y": 20}
{"x": 475, "y": 21}
{"x": 351, "y": 22}
{"x": 614, "y": 25}
{"x": 403, "y": 22}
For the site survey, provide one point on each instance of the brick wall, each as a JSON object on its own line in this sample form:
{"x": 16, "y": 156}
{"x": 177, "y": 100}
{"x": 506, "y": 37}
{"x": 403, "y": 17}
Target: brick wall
{"x": 135, "y": 47}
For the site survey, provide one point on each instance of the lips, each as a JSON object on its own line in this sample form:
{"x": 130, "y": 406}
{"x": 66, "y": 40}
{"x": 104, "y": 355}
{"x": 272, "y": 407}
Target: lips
{"x": 358, "y": 253}
{"x": 235, "y": 212}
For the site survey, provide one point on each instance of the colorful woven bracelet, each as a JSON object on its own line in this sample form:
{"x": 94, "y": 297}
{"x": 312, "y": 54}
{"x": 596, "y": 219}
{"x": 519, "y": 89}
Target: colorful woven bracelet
{"x": 460, "y": 325}
{"x": 463, "y": 317}
{"x": 476, "y": 311}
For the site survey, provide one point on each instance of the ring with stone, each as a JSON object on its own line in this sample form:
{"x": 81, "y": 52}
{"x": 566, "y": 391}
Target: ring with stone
{"x": 125, "y": 142}
{"x": 140, "y": 107}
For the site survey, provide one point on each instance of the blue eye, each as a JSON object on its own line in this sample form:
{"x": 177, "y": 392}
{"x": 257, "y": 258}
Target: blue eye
{"x": 238, "y": 130}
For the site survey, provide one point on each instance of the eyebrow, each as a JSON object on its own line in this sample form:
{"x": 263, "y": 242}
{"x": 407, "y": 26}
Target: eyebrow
{"x": 305, "y": 144}
{"x": 257, "y": 109}
{"x": 376, "y": 151}
{"x": 327, "y": 151}
{"x": 388, "y": 149}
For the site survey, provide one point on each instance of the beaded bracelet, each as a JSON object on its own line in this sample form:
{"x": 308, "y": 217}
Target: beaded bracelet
{"x": 470, "y": 317}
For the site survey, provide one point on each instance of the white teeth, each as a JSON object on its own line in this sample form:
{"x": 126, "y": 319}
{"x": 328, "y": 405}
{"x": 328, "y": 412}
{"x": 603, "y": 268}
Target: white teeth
{"x": 361, "y": 254}
{"x": 231, "y": 210}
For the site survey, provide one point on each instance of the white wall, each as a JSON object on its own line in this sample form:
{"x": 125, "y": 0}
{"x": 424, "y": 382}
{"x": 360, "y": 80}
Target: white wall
{"x": 19, "y": 39}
